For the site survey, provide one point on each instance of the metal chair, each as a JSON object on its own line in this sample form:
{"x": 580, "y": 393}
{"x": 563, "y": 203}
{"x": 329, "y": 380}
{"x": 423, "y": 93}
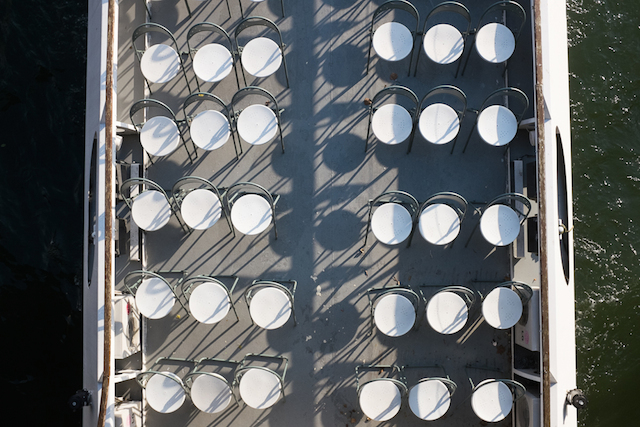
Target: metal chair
{"x": 149, "y": 204}
{"x": 394, "y": 310}
{"x": 159, "y": 135}
{"x": 271, "y": 302}
{"x": 212, "y": 61}
{"x": 393, "y": 41}
{"x": 392, "y": 123}
{"x": 497, "y": 32}
{"x": 381, "y": 398}
{"x": 502, "y": 218}
{"x": 441, "y": 217}
{"x": 258, "y": 123}
{"x": 441, "y": 112}
{"x": 199, "y": 203}
{"x": 209, "y": 298}
{"x": 155, "y": 297}
{"x": 258, "y": 386}
{"x": 444, "y": 43}
{"x": 210, "y": 392}
{"x": 159, "y": 63}
{"x": 165, "y": 391}
{"x": 496, "y": 124}
{"x": 503, "y": 306}
{"x": 448, "y": 310}
{"x": 259, "y": 1}
{"x": 252, "y": 208}
{"x": 492, "y": 399}
{"x": 393, "y": 219}
{"x": 430, "y": 398}
{"x": 261, "y": 56}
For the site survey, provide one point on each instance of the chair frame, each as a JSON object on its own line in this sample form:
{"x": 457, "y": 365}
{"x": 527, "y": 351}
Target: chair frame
{"x": 243, "y": 368}
{"x": 252, "y": 21}
{"x": 143, "y": 377}
{"x": 517, "y": 389}
{"x": 152, "y": 27}
{"x": 400, "y": 382}
{"x": 389, "y": 91}
{"x": 445, "y": 379}
{"x": 505, "y": 93}
{"x": 375, "y": 294}
{"x": 391, "y": 5}
{"x": 467, "y": 294}
{"x": 511, "y": 200}
{"x": 449, "y": 198}
{"x": 236, "y": 191}
{"x": 446, "y": 7}
{"x": 255, "y": 90}
{"x": 524, "y": 291}
{"x": 287, "y": 286}
{"x": 178, "y": 192}
{"x": 210, "y": 27}
{"x": 189, "y": 378}
{"x": 139, "y": 276}
{"x": 144, "y": 104}
{"x": 400, "y": 197}
{"x": 242, "y": 11}
{"x": 127, "y": 184}
{"x": 187, "y": 287}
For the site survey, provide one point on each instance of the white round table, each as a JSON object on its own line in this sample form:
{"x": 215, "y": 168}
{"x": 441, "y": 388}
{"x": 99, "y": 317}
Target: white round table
{"x": 261, "y": 57}
{"x": 150, "y": 210}
{"x": 251, "y": 214}
{"x": 210, "y": 393}
{"x": 154, "y": 298}
{"x": 380, "y": 400}
{"x": 447, "y": 312}
{"x": 160, "y": 63}
{"x": 439, "y": 123}
{"x": 257, "y": 124}
{"x": 497, "y": 125}
{"x": 500, "y": 225}
{"x": 270, "y": 308}
{"x": 392, "y": 41}
{"x": 492, "y": 402}
{"x": 212, "y": 62}
{"x": 392, "y": 124}
{"x": 439, "y": 224}
{"x": 495, "y": 42}
{"x": 429, "y": 399}
{"x": 160, "y": 136}
{"x": 210, "y": 130}
{"x": 259, "y": 388}
{"x": 209, "y": 303}
{"x": 502, "y": 308}
{"x": 443, "y": 43}
{"x": 394, "y": 315}
{"x": 201, "y": 209}
{"x": 165, "y": 394}
{"x": 391, "y": 223}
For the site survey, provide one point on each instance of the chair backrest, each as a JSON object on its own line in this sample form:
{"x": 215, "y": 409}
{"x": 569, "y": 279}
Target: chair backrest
{"x": 253, "y": 21}
{"x": 450, "y": 7}
{"x": 133, "y": 280}
{"x": 208, "y": 27}
{"x": 241, "y": 188}
{"x": 523, "y": 290}
{"x": 126, "y": 186}
{"x": 400, "y": 197}
{"x": 396, "y": 90}
{"x": 149, "y": 103}
{"x": 504, "y": 10}
{"x": 498, "y": 96}
{"x": 518, "y": 202}
{"x": 448, "y": 93}
{"x": 185, "y": 185}
{"x": 454, "y": 200}
{"x": 151, "y": 27}
{"x": 398, "y": 5}
{"x": 254, "y": 90}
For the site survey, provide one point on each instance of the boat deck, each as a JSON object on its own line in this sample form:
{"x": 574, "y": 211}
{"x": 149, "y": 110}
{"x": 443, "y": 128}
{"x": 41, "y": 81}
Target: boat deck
{"x": 325, "y": 181}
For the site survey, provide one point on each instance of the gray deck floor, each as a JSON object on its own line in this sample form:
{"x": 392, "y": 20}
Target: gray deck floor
{"x": 325, "y": 181}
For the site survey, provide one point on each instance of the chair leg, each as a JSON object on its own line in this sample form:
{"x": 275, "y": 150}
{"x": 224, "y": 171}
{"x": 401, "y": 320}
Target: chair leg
{"x": 286, "y": 73}
{"x": 415, "y": 70}
{"x": 282, "y": 4}
{"x": 468, "y": 55}
{"x": 281, "y": 139}
{"x": 241, "y": 12}
{"x": 370, "y": 43}
{"x": 469, "y": 137}
{"x": 228, "y": 8}
{"x": 366, "y": 235}
{"x": 411, "y": 57}
{"x": 366, "y": 141}
{"x": 186, "y": 2}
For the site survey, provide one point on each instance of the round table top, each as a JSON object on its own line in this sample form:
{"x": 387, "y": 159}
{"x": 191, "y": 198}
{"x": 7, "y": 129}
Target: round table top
{"x": 391, "y": 223}
{"x": 150, "y": 210}
{"x": 439, "y": 123}
{"x": 257, "y": 124}
{"x": 260, "y": 388}
{"x": 392, "y": 41}
{"x": 261, "y": 57}
{"x": 392, "y": 124}
{"x": 447, "y": 312}
{"x": 212, "y": 62}
{"x": 160, "y": 63}
{"x": 201, "y": 209}
{"x": 209, "y": 303}
{"x": 154, "y": 298}
{"x": 502, "y": 308}
{"x": 500, "y": 225}
{"x": 165, "y": 394}
{"x": 495, "y": 42}
{"x": 439, "y": 224}
{"x": 210, "y": 392}
{"x": 210, "y": 130}
{"x": 160, "y": 136}
{"x": 443, "y": 43}
{"x": 380, "y": 400}
{"x": 270, "y": 308}
{"x": 429, "y": 399}
{"x": 251, "y": 214}
{"x": 497, "y": 125}
{"x": 492, "y": 402}
{"x": 394, "y": 315}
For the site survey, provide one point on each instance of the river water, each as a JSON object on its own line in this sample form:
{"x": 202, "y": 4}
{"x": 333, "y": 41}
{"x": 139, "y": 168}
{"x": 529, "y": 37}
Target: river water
{"x": 42, "y": 64}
